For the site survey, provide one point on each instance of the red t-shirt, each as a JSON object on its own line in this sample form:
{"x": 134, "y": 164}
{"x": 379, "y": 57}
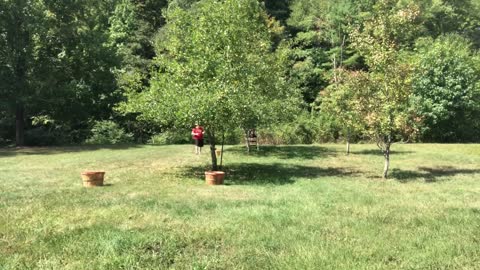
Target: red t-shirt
{"x": 197, "y": 133}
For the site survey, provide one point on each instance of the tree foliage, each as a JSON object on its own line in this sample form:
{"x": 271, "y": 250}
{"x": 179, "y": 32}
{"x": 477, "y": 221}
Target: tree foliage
{"x": 73, "y": 61}
{"x": 446, "y": 88}
{"x": 342, "y": 103}
{"x": 55, "y": 61}
{"x": 385, "y": 95}
{"x": 214, "y": 66}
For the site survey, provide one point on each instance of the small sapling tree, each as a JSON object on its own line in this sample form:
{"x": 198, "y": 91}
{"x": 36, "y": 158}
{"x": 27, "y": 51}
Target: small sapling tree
{"x": 385, "y": 97}
{"x": 340, "y": 102}
{"x": 385, "y": 110}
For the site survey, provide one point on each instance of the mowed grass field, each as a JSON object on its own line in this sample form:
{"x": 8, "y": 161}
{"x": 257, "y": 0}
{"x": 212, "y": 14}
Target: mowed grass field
{"x": 285, "y": 207}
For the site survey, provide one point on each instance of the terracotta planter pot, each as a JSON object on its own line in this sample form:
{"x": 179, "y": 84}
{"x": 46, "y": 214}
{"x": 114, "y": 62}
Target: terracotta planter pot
{"x": 214, "y": 177}
{"x": 92, "y": 178}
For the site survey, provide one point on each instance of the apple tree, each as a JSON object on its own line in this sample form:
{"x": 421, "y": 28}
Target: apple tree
{"x": 386, "y": 95}
{"x": 215, "y": 65}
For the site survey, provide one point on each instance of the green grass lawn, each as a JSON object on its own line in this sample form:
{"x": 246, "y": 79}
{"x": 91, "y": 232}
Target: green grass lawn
{"x": 285, "y": 207}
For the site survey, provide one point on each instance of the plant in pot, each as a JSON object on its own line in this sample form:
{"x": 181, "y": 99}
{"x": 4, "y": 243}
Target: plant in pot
{"x": 214, "y": 177}
{"x": 92, "y": 178}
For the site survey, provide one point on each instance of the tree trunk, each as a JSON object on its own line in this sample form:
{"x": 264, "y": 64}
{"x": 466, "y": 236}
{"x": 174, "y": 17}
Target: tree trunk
{"x": 20, "y": 46}
{"x": 19, "y": 124}
{"x": 221, "y": 153}
{"x": 211, "y": 137}
{"x": 247, "y": 141}
{"x": 386, "y": 154}
{"x": 348, "y": 143}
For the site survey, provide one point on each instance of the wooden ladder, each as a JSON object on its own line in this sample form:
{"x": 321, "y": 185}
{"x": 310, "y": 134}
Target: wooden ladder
{"x": 252, "y": 139}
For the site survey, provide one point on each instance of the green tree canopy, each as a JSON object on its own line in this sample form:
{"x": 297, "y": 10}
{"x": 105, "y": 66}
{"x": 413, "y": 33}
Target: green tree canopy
{"x": 340, "y": 102}
{"x": 385, "y": 95}
{"x": 55, "y": 61}
{"x": 446, "y": 88}
{"x": 215, "y": 66}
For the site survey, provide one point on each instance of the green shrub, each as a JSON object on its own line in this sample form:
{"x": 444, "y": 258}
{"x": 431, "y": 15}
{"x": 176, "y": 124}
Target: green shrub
{"x": 3, "y": 142}
{"x": 446, "y": 89}
{"x": 183, "y": 136}
{"x": 305, "y": 129}
{"x": 171, "y": 137}
{"x": 40, "y": 136}
{"x": 233, "y": 136}
{"x": 46, "y": 135}
{"x": 7, "y": 129}
{"x": 108, "y": 132}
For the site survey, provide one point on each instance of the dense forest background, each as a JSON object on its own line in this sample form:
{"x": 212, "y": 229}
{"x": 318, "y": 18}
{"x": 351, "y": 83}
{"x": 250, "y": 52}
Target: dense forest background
{"x": 66, "y": 68}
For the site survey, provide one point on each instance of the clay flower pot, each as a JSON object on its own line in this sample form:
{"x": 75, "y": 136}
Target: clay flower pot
{"x": 92, "y": 178}
{"x": 214, "y": 177}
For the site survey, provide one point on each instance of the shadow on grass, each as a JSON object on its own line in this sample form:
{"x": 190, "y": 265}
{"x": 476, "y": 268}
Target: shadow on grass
{"x": 285, "y": 152}
{"x": 266, "y": 174}
{"x": 378, "y": 152}
{"x": 19, "y": 151}
{"x": 431, "y": 175}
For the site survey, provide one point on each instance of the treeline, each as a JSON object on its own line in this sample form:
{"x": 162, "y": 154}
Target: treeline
{"x": 383, "y": 69}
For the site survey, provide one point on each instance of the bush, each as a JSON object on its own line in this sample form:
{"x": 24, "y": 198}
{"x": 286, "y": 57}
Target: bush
{"x": 4, "y": 142}
{"x": 306, "y": 129}
{"x": 40, "y": 136}
{"x": 108, "y": 132}
{"x": 171, "y": 137}
{"x": 7, "y": 129}
{"x": 446, "y": 89}
{"x": 50, "y": 134}
{"x": 233, "y": 136}
{"x": 183, "y": 136}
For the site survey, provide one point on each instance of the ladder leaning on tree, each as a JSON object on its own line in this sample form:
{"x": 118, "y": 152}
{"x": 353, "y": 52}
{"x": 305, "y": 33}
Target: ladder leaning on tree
{"x": 251, "y": 139}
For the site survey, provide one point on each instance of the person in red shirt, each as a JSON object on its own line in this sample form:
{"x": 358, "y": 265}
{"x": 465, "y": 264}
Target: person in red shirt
{"x": 197, "y": 134}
